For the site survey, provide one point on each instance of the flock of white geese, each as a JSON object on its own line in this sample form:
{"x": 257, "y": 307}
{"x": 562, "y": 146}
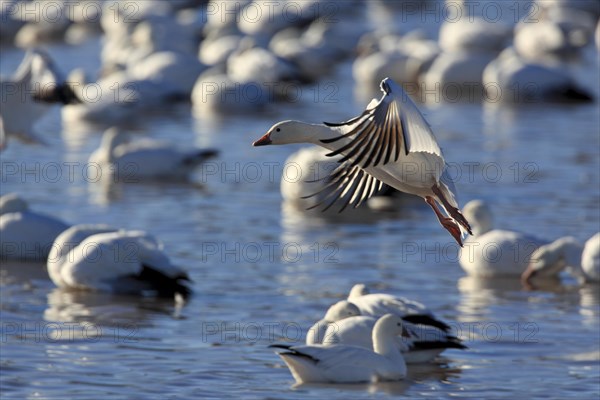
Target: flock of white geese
{"x": 368, "y": 336}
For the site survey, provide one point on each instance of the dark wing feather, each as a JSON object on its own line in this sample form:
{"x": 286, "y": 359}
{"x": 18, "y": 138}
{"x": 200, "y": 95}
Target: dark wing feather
{"x": 348, "y": 184}
{"x": 379, "y": 133}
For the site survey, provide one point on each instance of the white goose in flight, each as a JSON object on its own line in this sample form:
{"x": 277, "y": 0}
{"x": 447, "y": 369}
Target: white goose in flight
{"x": 391, "y": 143}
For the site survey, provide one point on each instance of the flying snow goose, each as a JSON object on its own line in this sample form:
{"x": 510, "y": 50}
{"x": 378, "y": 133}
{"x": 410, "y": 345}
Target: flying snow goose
{"x": 390, "y": 142}
{"x": 349, "y": 364}
{"x": 134, "y": 160}
{"x": 378, "y": 304}
{"x": 550, "y": 259}
{"x": 24, "y": 234}
{"x": 101, "y": 258}
{"x": 337, "y": 312}
{"x": 494, "y": 252}
{"x": 423, "y": 344}
{"x": 27, "y": 94}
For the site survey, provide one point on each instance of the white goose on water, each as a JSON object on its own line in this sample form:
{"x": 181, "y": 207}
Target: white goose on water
{"x": 349, "y": 364}
{"x": 423, "y": 344}
{"x": 550, "y": 259}
{"x": 144, "y": 159}
{"x": 24, "y": 234}
{"x": 494, "y": 252}
{"x": 26, "y": 96}
{"x": 378, "y": 304}
{"x": 101, "y": 258}
{"x": 390, "y": 142}
{"x": 337, "y": 312}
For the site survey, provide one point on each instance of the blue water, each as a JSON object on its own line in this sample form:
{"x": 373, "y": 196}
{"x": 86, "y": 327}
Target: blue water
{"x": 262, "y": 274}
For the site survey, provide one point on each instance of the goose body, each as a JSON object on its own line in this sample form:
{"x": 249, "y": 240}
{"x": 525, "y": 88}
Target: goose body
{"x": 101, "y": 258}
{"x": 24, "y": 234}
{"x": 511, "y": 79}
{"x": 391, "y": 143}
{"x": 494, "y": 252}
{"x": 378, "y": 304}
{"x": 552, "y": 258}
{"x": 337, "y": 312}
{"x": 145, "y": 158}
{"x": 350, "y": 364}
{"x": 423, "y": 344}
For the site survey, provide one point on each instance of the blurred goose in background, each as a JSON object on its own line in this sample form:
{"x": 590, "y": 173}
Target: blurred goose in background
{"x": 401, "y": 141}
{"x": 494, "y": 252}
{"x": 551, "y": 259}
{"x": 124, "y": 159}
{"x": 423, "y": 343}
{"x": 43, "y": 23}
{"x": 510, "y": 79}
{"x": 468, "y": 45}
{"x": 402, "y": 58}
{"x": 349, "y": 364}
{"x": 378, "y": 304}
{"x": 24, "y": 234}
{"x": 28, "y": 94}
{"x": 251, "y": 63}
{"x": 101, "y": 258}
{"x": 154, "y": 83}
{"x": 558, "y": 35}
{"x": 590, "y": 6}
{"x": 335, "y": 313}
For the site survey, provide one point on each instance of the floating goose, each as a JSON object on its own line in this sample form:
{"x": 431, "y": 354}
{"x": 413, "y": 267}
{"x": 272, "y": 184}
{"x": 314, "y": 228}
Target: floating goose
{"x": 98, "y": 257}
{"x": 390, "y": 142}
{"x": 378, "y": 304}
{"x": 511, "y": 79}
{"x": 550, "y": 259}
{"x": 423, "y": 345}
{"x": 141, "y": 159}
{"x": 494, "y": 252}
{"x": 337, "y": 312}
{"x": 24, "y": 234}
{"x": 349, "y": 364}
{"x": 27, "y": 94}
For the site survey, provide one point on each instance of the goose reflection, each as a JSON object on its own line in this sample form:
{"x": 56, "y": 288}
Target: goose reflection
{"x": 425, "y": 374}
{"x": 105, "y": 309}
{"x": 478, "y": 294}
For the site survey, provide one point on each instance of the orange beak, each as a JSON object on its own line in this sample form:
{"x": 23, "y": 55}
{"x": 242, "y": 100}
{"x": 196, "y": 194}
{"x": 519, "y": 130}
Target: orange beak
{"x": 263, "y": 141}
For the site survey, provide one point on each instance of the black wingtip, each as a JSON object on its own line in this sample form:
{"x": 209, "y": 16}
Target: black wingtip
{"x": 62, "y": 94}
{"x": 280, "y": 346}
{"x": 434, "y": 344}
{"x": 428, "y": 320}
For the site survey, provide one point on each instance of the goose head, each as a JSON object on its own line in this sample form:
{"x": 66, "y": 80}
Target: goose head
{"x": 289, "y": 132}
{"x": 11, "y": 203}
{"x": 549, "y": 260}
{"x": 112, "y": 138}
{"x": 385, "y": 333}
{"x": 360, "y": 289}
{"x": 479, "y": 214}
{"x": 341, "y": 310}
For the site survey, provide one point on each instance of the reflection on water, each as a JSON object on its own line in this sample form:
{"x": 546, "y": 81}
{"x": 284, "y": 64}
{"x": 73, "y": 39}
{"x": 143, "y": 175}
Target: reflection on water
{"x": 103, "y": 308}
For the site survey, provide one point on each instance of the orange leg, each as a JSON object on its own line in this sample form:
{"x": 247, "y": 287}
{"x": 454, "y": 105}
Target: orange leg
{"x": 454, "y": 212}
{"x": 447, "y": 223}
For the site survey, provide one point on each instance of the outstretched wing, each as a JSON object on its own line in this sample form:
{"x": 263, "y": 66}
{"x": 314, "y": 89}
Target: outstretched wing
{"x": 384, "y": 130}
{"x": 350, "y": 185}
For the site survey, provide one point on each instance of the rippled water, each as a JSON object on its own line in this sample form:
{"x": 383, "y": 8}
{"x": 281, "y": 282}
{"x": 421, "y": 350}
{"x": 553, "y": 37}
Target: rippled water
{"x": 263, "y": 273}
